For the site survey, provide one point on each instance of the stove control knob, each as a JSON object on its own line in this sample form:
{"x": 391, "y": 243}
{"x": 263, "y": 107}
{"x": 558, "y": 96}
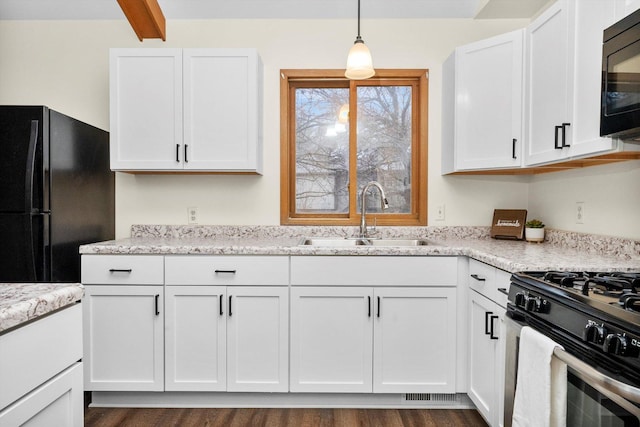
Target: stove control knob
{"x": 521, "y": 300}
{"x": 530, "y": 304}
{"x": 536, "y": 305}
{"x": 615, "y": 344}
{"x": 594, "y": 333}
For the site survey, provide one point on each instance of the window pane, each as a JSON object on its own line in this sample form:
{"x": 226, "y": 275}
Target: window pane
{"x": 384, "y": 145}
{"x": 322, "y": 150}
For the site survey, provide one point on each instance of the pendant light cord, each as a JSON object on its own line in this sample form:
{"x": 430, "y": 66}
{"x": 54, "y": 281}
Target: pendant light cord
{"x": 358, "y": 19}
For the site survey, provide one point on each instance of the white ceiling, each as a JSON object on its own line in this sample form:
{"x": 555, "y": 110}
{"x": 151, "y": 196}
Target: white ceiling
{"x": 275, "y": 9}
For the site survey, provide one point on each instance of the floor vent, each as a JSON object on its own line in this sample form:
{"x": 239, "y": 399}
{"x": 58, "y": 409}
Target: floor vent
{"x": 430, "y": 397}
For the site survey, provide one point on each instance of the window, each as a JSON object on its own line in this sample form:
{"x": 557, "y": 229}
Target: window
{"x": 338, "y": 134}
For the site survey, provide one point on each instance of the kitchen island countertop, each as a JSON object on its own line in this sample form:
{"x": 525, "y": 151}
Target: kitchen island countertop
{"x": 563, "y": 251}
{"x": 23, "y": 302}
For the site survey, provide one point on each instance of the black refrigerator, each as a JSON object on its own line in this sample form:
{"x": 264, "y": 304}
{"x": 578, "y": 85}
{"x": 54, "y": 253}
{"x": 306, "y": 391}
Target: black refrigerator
{"x": 57, "y": 192}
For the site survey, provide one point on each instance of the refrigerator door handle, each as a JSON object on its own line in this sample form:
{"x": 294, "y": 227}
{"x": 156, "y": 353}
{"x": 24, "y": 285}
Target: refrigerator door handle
{"x": 31, "y": 166}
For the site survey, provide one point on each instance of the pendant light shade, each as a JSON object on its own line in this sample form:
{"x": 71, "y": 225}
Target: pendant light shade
{"x": 359, "y": 62}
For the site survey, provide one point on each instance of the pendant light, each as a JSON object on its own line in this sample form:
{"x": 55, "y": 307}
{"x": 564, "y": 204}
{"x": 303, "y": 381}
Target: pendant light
{"x": 359, "y": 63}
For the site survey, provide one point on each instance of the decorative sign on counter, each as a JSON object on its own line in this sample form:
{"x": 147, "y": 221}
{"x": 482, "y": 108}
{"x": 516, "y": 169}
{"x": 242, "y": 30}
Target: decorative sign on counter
{"x": 508, "y": 224}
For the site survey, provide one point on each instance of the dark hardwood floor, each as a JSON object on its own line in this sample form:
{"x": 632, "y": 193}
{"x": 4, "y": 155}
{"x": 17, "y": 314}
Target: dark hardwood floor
{"x": 209, "y": 417}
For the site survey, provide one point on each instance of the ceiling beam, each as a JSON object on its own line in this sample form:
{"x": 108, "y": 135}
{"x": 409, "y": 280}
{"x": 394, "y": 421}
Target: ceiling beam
{"x": 146, "y": 18}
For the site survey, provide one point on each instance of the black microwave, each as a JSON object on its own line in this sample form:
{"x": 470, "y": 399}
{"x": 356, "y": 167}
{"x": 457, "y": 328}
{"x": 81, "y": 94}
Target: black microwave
{"x": 620, "y": 95}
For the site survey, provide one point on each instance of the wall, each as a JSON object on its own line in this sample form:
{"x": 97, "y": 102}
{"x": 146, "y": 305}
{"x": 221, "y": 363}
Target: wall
{"x": 65, "y": 65}
{"x": 611, "y": 196}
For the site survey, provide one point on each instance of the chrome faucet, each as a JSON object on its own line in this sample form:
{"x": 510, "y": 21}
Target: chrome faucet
{"x": 363, "y": 210}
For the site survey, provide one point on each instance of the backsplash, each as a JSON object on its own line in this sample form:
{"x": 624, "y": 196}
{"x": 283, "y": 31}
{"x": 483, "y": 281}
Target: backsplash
{"x": 589, "y": 243}
{"x": 275, "y": 231}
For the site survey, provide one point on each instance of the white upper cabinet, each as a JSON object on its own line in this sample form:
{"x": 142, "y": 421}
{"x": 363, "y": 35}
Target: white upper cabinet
{"x": 186, "y": 110}
{"x": 563, "y": 80}
{"x": 515, "y": 101}
{"x": 221, "y": 115}
{"x": 483, "y": 98}
{"x": 146, "y": 109}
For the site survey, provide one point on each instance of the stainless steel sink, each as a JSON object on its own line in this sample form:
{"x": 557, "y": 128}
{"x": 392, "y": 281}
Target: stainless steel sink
{"x": 330, "y": 241}
{"x": 399, "y": 242}
{"x": 346, "y": 242}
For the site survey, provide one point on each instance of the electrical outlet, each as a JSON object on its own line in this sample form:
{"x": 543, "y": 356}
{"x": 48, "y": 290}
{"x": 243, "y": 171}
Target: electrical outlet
{"x": 192, "y": 215}
{"x": 440, "y": 213}
{"x": 580, "y": 212}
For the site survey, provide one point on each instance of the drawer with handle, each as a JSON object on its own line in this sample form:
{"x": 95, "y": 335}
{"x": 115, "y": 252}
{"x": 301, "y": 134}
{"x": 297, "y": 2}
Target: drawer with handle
{"x": 244, "y": 270}
{"x": 123, "y": 269}
{"x": 482, "y": 278}
{"x": 489, "y": 281}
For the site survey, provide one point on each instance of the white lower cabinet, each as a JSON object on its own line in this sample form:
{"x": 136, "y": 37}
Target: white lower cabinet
{"x": 123, "y": 338}
{"x": 258, "y": 339}
{"x": 58, "y": 402}
{"x": 486, "y": 340}
{"x": 269, "y": 324}
{"x": 381, "y": 340}
{"x": 41, "y": 371}
{"x": 222, "y": 338}
{"x": 195, "y": 334}
{"x": 414, "y": 340}
{"x": 227, "y": 338}
{"x": 331, "y": 339}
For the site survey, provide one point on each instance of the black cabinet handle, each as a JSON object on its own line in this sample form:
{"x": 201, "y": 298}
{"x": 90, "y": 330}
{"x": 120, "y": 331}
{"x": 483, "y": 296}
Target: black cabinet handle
{"x": 221, "y": 313}
{"x": 503, "y": 291}
{"x": 487, "y": 331}
{"x": 186, "y": 160}
{"x": 177, "y": 152}
{"x": 493, "y": 337}
{"x": 564, "y": 135}
{"x": 369, "y": 305}
{"x": 378, "y": 306}
{"x": 513, "y": 149}
{"x": 157, "y": 306}
{"x": 120, "y": 270}
{"x": 230, "y": 305}
{"x": 556, "y": 145}
{"x": 225, "y": 271}
{"x": 478, "y": 278}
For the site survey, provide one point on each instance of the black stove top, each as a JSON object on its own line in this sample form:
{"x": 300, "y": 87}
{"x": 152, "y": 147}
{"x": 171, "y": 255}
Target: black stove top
{"x": 595, "y": 313}
{"x": 616, "y": 288}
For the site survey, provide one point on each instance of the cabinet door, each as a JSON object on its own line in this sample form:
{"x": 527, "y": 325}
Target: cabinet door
{"x": 501, "y": 329}
{"x": 414, "y": 340}
{"x": 258, "y": 339}
{"x": 221, "y": 109}
{"x": 488, "y": 100}
{"x": 591, "y": 18}
{"x": 483, "y": 381}
{"x": 123, "y": 338}
{"x": 331, "y": 339}
{"x": 58, "y": 402}
{"x": 549, "y": 71}
{"x": 195, "y": 338}
{"x": 146, "y": 109}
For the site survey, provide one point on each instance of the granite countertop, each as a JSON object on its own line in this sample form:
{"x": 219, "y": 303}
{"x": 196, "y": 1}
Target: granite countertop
{"x": 23, "y": 302}
{"x": 561, "y": 251}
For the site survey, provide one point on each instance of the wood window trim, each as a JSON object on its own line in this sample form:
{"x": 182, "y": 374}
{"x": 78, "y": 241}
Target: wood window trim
{"x": 418, "y": 216}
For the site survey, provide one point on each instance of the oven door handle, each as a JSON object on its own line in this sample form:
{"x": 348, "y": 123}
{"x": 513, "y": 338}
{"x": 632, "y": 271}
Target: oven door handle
{"x": 626, "y": 391}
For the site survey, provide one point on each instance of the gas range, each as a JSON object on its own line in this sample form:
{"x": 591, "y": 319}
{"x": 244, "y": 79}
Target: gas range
{"x": 595, "y": 314}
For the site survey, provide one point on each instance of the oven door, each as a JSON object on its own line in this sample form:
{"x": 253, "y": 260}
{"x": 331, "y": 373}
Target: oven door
{"x": 593, "y": 399}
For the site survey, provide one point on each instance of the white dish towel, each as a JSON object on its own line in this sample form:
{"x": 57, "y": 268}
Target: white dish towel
{"x": 541, "y": 387}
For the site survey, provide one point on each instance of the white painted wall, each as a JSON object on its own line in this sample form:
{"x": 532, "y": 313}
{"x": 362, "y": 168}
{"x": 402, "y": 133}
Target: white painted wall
{"x": 65, "y": 65}
{"x": 611, "y": 196}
